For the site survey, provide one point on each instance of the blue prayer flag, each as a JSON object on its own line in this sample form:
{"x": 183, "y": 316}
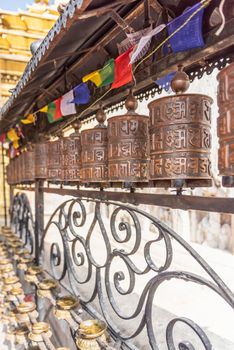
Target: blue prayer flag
{"x": 81, "y": 94}
{"x": 165, "y": 81}
{"x": 190, "y": 36}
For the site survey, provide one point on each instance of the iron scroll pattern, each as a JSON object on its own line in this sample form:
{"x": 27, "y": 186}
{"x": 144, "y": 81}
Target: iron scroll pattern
{"x": 73, "y": 260}
{"x": 22, "y": 221}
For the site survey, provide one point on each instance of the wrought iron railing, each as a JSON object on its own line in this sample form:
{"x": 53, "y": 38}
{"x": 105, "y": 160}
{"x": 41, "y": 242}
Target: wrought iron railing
{"x": 22, "y": 220}
{"x": 116, "y": 258}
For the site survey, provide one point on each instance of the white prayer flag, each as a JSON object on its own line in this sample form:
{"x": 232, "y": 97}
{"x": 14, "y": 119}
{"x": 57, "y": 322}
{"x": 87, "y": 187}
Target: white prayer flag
{"x": 66, "y": 106}
{"x": 132, "y": 39}
{"x": 145, "y": 42}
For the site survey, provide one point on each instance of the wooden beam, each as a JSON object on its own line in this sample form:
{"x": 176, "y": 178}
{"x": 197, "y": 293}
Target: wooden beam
{"x": 103, "y": 42}
{"x": 147, "y": 76}
{"x": 183, "y": 202}
{"x": 102, "y": 10}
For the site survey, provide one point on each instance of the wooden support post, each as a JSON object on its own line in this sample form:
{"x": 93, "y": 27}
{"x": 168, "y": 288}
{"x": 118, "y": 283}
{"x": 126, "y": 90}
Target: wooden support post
{"x": 11, "y": 201}
{"x": 4, "y": 187}
{"x": 39, "y": 217}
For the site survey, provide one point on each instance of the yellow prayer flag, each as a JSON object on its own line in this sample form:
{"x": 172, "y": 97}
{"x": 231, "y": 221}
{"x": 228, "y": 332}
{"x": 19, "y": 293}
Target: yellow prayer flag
{"x": 12, "y": 135}
{"x": 94, "y": 77}
{"x": 44, "y": 109}
{"x": 16, "y": 144}
{"x": 29, "y": 120}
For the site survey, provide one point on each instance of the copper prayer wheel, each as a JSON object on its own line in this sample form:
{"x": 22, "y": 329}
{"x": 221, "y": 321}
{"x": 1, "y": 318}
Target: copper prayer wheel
{"x": 94, "y": 152}
{"x": 14, "y": 174}
{"x": 15, "y": 170}
{"x": 54, "y": 168}
{"x": 41, "y": 160}
{"x": 180, "y": 138}
{"x": 71, "y": 156}
{"x": 17, "y": 175}
{"x": 9, "y": 173}
{"x": 29, "y": 166}
{"x": 22, "y": 162}
{"x": 128, "y": 146}
{"x": 226, "y": 125}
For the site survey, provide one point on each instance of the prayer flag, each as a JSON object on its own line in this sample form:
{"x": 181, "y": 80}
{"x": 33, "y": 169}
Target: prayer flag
{"x": 190, "y": 36}
{"x": 54, "y": 112}
{"x": 123, "y": 70}
{"x": 144, "y": 43}
{"x": 44, "y": 109}
{"x": 16, "y": 144}
{"x": 67, "y": 106}
{"x": 165, "y": 81}
{"x": 94, "y": 77}
{"x": 12, "y": 135}
{"x": 3, "y": 138}
{"x": 107, "y": 73}
{"x": 19, "y": 131}
{"x": 81, "y": 94}
{"x": 29, "y": 120}
{"x": 132, "y": 39}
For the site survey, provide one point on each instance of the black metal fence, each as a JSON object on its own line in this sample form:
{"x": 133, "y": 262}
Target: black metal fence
{"x": 116, "y": 258}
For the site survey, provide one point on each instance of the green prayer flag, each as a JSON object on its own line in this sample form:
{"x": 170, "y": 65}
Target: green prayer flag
{"x": 54, "y": 112}
{"x": 107, "y": 73}
{"x": 51, "y": 112}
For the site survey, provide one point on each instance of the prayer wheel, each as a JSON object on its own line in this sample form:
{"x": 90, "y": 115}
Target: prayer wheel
{"x": 41, "y": 159}
{"x": 128, "y": 146}
{"x": 29, "y": 165}
{"x": 12, "y": 171}
{"x": 9, "y": 172}
{"x": 71, "y": 156}
{"x": 22, "y": 158}
{"x": 54, "y": 168}
{"x": 180, "y": 138}
{"x": 94, "y": 152}
{"x": 226, "y": 125}
{"x": 17, "y": 171}
{"x": 13, "y": 166}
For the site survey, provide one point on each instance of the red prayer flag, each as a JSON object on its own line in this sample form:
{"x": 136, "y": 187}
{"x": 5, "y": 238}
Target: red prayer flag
{"x": 58, "y": 113}
{"x": 3, "y": 138}
{"x": 123, "y": 70}
{"x": 54, "y": 111}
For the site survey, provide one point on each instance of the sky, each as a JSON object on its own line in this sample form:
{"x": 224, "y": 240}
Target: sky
{"x": 14, "y": 4}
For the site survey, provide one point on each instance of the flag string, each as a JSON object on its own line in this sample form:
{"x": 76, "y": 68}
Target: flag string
{"x": 203, "y": 3}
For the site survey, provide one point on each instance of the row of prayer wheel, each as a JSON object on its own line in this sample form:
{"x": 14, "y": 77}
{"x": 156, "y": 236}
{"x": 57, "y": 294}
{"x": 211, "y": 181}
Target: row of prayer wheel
{"x": 170, "y": 148}
{"x": 226, "y": 125}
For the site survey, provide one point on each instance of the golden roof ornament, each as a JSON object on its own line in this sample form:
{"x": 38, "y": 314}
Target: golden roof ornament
{"x": 61, "y": 6}
{"x": 42, "y": 2}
